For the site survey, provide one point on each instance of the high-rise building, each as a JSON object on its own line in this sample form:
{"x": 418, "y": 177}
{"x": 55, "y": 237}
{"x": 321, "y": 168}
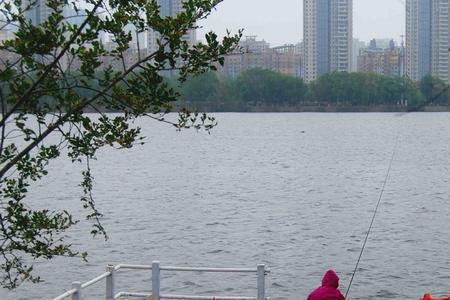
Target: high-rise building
{"x": 327, "y": 34}
{"x": 168, "y": 8}
{"x": 341, "y": 35}
{"x": 4, "y": 32}
{"x": 37, "y": 11}
{"x": 315, "y": 38}
{"x": 440, "y": 39}
{"x": 427, "y": 39}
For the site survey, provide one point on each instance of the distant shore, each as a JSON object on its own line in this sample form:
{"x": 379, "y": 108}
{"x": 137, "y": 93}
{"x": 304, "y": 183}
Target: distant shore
{"x": 314, "y": 108}
{"x": 239, "y": 108}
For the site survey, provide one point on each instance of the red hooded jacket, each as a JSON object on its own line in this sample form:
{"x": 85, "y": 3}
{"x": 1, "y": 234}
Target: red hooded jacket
{"x": 329, "y": 289}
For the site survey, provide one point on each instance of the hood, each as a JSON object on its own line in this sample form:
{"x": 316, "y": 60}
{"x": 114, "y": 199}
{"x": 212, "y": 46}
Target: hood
{"x": 330, "y": 279}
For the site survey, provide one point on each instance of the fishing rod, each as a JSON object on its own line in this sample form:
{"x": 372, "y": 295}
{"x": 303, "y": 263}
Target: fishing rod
{"x": 380, "y": 198}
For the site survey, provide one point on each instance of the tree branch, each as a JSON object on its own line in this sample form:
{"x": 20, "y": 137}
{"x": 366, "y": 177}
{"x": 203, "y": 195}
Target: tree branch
{"x": 28, "y": 92}
{"x": 66, "y": 116}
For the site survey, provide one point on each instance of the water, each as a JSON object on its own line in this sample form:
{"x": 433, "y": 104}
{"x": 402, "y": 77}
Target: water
{"x": 293, "y": 191}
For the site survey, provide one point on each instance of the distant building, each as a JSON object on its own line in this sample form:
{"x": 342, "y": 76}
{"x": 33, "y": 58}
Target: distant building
{"x": 257, "y": 54}
{"x": 233, "y": 65}
{"x": 341, "y": 35}
{"x": 168, "y": 8}
{"x": 252, "y": 45}
{"x": 38, "y": 11}
{"x": 285, "y": 60}
{"x": 299, "y": 48}
{"x": 384, "y": 43}
{"x": 4, "y": 35}
{"x": 6, "y": 57}
{"x": 327, "y": 34}
{"x": 440, "y": 39}
{"x": 374, "y": 59}
{"x": 427, "y": 39}
{"x": 130, "y": 57}
{"x": 393, "y": 60}
{"x": 371, "y": 59}
{"x": 298, "y": 51}
{"x": 357, "y": 45}
{"x": 134, "y": 53}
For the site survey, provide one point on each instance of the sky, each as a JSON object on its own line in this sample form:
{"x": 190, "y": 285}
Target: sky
{"x": 280, "y": 22}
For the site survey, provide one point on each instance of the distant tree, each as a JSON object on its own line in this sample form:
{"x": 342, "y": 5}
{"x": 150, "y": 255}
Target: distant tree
{"x": 332, "y": 88}
{"x": 411, "y": 93}
{"x": 202, "y": 88}
{"x": 257, "y": 86}
{"x": 434, "y": 90}
{"x": 265, "y": 87}
{"x": 57, "y": 72}
{"x": 362, "y": 89}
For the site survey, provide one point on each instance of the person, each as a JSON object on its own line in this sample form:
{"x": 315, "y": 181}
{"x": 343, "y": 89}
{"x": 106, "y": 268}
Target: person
{"x": 329, "y": 289}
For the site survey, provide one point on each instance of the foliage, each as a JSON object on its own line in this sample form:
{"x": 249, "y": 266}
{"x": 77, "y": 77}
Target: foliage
{"x": 201, "y": 88}
{"x": 253, "y": 87}
{"x": 263, "y": 87}
{"x": 55, "y": 72}
{"x": 363, "y": 89}
{"x": 434, "y": 90}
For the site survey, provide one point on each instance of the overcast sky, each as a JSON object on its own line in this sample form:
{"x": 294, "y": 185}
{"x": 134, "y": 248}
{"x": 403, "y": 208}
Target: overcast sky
{"x": 281, "y": 21}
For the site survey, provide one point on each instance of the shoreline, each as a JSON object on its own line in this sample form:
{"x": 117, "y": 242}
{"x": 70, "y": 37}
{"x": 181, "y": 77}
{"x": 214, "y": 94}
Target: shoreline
{"x": 314, "y": 109}
{"x": 297, "y": 109}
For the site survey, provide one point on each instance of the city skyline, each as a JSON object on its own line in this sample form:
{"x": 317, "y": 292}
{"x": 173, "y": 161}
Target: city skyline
{"x": 285, "y": 25}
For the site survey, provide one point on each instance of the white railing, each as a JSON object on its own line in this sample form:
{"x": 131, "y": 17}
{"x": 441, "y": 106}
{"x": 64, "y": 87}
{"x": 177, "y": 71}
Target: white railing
{"x": 77, "y": 287}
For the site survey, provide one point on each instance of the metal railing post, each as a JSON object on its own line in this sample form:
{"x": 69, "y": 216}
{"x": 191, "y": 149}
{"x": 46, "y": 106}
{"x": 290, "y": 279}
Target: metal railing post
{"x": 155, "y": 280}
{"x": 77, "y": 286}
{"x": 110, "y": 283}
{"x": 261, "y": 272}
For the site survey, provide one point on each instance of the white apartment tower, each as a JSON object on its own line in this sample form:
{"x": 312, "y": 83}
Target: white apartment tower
{"x": 427, "y": 39}
{"x": 341, "y": 35}
{"x": 440, "y": 39}
{"x": 168, "y": 8}
{"x": 328, "y": 35}
{"x": 37, "y": 11}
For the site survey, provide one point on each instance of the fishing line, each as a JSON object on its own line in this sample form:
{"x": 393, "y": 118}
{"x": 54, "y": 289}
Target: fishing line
{"x": 374, "y": 214}
{"x": 409, "y": 110}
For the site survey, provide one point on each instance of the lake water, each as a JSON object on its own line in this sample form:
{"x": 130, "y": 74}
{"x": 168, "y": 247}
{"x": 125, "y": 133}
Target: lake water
{"x": 293, "y": 191}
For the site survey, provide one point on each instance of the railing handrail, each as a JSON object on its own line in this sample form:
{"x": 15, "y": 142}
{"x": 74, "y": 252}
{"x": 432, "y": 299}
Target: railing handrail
{"x": 205, "y": 297}
{"x": 187, "y": 297}
{"x": 77, "y": 287}
{"x": 66, "y": 294}
{"x": 132, "y": 267}
{"x": 200, "y": 269}
{"x": 95, "y": 280}
{"x": 188, "y": 269}
{"x": 129, "y": 294}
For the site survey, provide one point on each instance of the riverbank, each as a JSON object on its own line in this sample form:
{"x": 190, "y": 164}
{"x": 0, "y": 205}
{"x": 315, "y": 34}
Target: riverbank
{"x": 239, "y": 107}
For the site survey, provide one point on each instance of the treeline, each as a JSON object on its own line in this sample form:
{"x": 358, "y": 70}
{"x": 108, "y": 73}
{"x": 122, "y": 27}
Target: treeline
{"x": 264, "y": 90}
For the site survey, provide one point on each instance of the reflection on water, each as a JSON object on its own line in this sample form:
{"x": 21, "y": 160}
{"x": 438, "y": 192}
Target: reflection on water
{"x": 293, "y": 191}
